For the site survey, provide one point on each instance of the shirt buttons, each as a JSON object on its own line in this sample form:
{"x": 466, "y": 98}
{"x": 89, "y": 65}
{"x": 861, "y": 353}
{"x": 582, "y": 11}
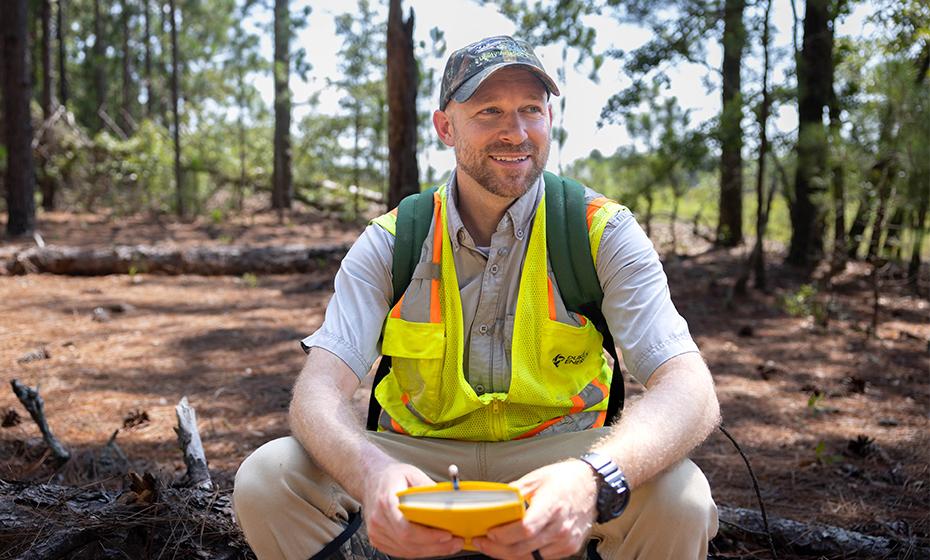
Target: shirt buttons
{"x": 520, "y": 233}
{"x": 483, "y": 329}
{"x": 494, "y": 268}
{"x": 479, "y": 389}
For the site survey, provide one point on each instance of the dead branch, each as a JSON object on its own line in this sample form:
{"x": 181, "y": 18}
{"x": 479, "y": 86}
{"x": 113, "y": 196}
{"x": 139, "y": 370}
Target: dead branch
{"x": 197, "y": 475}
{"x": 35, "y": 405}
{"x": 745, "y": 525}
{"x": 210, "y": 261}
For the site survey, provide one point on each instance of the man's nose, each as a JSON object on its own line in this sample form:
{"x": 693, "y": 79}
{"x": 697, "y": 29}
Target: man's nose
{"x": 513, "y": 129}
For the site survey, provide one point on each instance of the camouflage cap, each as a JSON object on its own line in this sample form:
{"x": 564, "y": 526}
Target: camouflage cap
{"x": 468, "y": 67}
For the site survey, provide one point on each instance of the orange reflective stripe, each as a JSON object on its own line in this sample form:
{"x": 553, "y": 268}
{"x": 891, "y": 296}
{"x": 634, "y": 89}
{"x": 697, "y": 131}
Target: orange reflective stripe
{"x": 395, "y": 312}
{"x": 601, "y": 418}
{"x": 540, "y": 428}
{"x": 578, "y": 404}
{"x": 405, "y": 398}
{"x": 393, "y": 212}
{"x": 434, "y": 311}
{"x": 551, "y": 300}
{"x": 396, "y": 427}
{"x": 604, "y": 388}
{"x": 594, "y": 206}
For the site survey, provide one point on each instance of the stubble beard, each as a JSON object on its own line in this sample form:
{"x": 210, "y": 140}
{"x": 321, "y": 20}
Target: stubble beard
{"x": 500, "y": 182}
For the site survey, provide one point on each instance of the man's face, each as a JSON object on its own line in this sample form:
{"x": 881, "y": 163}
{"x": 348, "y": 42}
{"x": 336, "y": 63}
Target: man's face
{"x": 501, "y": 134}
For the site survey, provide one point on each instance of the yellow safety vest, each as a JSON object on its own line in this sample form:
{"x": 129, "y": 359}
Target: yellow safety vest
{"x": 560, "y": 378}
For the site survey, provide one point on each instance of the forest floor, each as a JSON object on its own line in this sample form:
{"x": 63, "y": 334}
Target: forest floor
{"x": 835, "y": 418}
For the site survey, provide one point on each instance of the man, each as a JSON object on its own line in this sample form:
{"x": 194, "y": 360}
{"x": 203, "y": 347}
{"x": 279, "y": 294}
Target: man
{"x": 472, "y": 383}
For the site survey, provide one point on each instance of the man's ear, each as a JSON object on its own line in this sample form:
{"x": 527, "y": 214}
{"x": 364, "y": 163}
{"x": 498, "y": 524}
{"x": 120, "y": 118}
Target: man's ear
{"x": 443, "y": 125}
{"x": 549, "y": 105}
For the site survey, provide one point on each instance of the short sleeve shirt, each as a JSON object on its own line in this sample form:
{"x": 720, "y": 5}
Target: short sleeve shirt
{"x": 637, "y": 305}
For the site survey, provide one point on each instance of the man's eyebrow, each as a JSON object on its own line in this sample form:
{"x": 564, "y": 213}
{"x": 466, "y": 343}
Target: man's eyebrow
{"x": 480, "y": 97}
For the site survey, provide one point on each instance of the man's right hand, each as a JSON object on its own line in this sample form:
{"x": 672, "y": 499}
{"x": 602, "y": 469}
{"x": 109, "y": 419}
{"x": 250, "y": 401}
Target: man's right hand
{"x": 388, "y": 529}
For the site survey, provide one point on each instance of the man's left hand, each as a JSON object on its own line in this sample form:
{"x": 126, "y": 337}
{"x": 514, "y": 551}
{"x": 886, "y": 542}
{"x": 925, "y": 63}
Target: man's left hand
{"x": 562, "y": 509}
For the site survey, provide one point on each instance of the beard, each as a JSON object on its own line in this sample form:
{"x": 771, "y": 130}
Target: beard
{"x": 477, "y": 164}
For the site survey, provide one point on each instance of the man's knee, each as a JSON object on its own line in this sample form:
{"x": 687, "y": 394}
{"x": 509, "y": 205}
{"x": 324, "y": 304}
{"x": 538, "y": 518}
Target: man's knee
{"x": 682, "y": 498}
{"x": 265, "y": 472}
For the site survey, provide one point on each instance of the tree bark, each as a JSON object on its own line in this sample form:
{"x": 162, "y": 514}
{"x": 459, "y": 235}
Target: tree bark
{"x": 885, "y": 194}
{"x": 402, "y": 85}
{"x": 175, "y": 71}
{"x": 814, "y": 90}
{"x": 730, "y": 225}
{"x": 282, "y": 189}
{"x": 62, "y": 55}
{"x": 99, "y": 68}
{"x": 17, "y": 91}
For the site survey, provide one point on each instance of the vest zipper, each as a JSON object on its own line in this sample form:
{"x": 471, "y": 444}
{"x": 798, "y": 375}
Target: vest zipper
{"x": 496, "y": 420}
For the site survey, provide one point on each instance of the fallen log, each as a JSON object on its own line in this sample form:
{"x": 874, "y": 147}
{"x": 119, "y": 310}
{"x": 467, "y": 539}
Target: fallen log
{"x": 803, "y": 539}
{"x": 208, "y": 261}
{"x": 33, "y": 402}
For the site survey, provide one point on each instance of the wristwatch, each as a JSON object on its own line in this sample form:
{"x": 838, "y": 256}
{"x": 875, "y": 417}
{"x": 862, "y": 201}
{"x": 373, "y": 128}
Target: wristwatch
{"x": 613, "y": 491}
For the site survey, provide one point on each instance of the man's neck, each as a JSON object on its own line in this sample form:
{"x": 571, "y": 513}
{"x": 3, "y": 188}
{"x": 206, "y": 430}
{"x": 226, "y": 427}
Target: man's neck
{"x": 480, "y": 210}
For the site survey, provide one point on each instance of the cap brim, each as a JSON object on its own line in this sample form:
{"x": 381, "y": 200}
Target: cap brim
{"x": 472, "y": 84}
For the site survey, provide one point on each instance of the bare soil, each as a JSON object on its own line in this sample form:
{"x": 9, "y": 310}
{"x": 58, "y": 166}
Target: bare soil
{"x": 797, "y": 392}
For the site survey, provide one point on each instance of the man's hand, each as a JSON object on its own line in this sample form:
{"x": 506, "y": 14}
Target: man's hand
{"x": 556, "y": 524}
{"x": 388, "y": 529}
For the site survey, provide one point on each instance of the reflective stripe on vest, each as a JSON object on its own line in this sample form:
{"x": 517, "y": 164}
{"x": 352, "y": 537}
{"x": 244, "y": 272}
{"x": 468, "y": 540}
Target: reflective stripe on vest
{"x": 559, "y": 377}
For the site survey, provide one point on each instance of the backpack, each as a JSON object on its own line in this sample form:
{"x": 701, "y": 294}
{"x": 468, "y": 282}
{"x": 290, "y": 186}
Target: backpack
{"x": 569, "y": 251}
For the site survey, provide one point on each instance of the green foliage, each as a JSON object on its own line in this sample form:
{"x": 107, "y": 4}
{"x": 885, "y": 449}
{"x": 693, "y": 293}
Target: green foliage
{"x": 800, "y": 303}
{"x": 823, "y": 457}
{"x": 250, "y": 280}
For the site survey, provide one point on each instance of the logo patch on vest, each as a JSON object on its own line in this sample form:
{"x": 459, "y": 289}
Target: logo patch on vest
{"x": 577, "y": 359}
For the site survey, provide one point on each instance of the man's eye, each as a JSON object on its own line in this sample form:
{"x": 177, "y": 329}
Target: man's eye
{"x": 534, "y": 109}
{"x": 490, "y": 111}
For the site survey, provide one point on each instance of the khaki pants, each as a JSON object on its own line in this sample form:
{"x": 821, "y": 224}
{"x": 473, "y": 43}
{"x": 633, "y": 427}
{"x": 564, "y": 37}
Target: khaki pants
{"x": 290, "y": 509}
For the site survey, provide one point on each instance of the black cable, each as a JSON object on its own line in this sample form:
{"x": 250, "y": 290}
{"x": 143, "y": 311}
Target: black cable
{"x": 755, "y": 486}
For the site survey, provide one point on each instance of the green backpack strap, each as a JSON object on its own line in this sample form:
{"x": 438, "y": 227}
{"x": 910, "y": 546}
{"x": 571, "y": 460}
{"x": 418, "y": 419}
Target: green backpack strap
{"x": 569, "y": 250}
{"x": 414, "y": 217}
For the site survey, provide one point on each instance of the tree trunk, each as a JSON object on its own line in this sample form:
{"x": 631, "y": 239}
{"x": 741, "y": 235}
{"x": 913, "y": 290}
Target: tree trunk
{"x": 47, "y": 186}
{"x": 920, "y": 225}
{"x": 838, "y": 176}
{"x": 126, "y": 109}
{"x": 282, "y": 187}
{"x": 402, "y": 78}
{"x": 857, "y": 228}
{"x": 17, "y": 92}
{"x": 99, "y": 68}
{"x": 46, "y": 55}
{"x": 730, "y": 225}
{"x": 178, "y": 176}
{"x": 757, "y": 263}
{"x": 147, "y": 33}
{"x": 885, "y": 194}
{"x": 62, "y": 55}
{"x": 814, "y": 87}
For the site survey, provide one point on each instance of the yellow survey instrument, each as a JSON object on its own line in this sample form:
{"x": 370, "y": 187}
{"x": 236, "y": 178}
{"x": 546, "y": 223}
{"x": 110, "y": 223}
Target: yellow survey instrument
{"x": 466, "y": 509}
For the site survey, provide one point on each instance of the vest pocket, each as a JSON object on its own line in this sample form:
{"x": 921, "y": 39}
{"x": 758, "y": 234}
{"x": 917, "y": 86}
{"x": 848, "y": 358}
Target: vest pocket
{"x": 417, "y": 351}
{"x": 569, "y": 357}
